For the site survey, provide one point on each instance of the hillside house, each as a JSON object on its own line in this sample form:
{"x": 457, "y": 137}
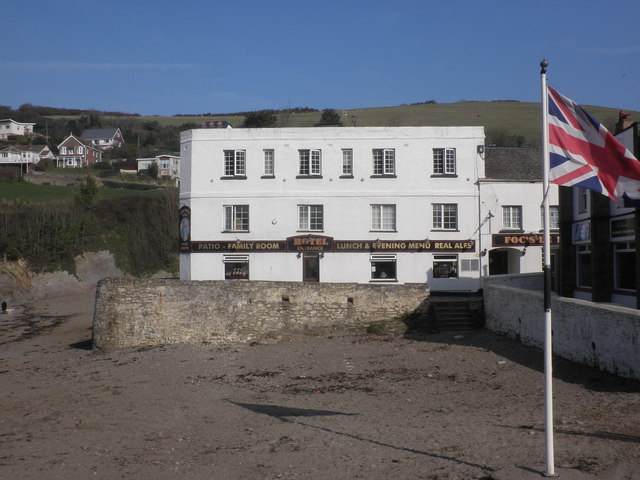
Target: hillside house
{"x": 104, "y": 138}
{"x": 168, "y": 166}
{"x": 11, "y": 128}
{"x": 28, "y": 155}
{"x": 76, "y": 152}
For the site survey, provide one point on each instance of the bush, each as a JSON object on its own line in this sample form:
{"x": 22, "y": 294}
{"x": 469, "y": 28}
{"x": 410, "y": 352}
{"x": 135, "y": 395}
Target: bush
{"x": 141, "y": 232}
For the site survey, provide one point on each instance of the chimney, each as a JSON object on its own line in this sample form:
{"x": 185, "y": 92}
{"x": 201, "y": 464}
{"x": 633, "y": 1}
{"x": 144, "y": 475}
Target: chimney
{"x": 624, "y": 122}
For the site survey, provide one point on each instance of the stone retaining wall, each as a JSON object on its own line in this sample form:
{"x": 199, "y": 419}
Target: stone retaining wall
{"x": 599, "y": 335}
{"x": 131, "y": 312}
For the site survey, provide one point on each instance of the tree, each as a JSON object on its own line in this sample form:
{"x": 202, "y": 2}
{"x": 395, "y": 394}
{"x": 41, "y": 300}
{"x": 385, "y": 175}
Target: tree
{"x": 329, "y": 117}
{"x": 261, "y": 119}
{"x": 152, "y": 171}
{"x": 86, "y": 194}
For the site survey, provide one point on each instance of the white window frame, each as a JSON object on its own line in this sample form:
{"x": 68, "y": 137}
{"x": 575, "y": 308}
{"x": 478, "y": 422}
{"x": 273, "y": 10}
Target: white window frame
{"x": 384, "y": 161}
{"x": 554, "y": 217}
{"x": 310, "y": 162}
{"x": 347, "y": 162}
{"x": 444, "y": 161}
{"x": 269, "y": 167}
{"x": 310, "y": 218}
{"x": 235, "y": 163}
{"x": 383, "y": 217}
{"x": 235, "y": 218}
{"x": 442, "y": 216}
{"x": 512, "y": 217}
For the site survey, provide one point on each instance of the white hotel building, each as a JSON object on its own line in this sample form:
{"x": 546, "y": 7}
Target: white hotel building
{"x": 335, "y": 204}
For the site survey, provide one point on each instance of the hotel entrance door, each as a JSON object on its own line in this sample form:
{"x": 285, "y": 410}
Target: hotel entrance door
{"x": 310, "y": 267}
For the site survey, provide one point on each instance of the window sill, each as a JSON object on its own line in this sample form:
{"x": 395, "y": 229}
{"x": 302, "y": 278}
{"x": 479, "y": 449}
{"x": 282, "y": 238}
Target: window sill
{"x": 268, "y": 176}
{"x": 308, "y": 176}
{"x": 236, "y": 177}
{"x": 444, "y": 230}
{"x": 236, "y": 231}
{"x": 386, "y": 175}
{"x": 346, "y": 176}
{"x": 383, "y": 231}
{"x": 444, "y": 175}
{"x": 310, "y": 231}
{"x": 383, "y": 280}
{"x": 511, "y": 230}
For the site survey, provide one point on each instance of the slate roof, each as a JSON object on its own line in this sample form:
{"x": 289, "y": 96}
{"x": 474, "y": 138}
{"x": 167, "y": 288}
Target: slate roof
{"x": 512, "y": 163}
{"x": 97, "y": 133}
{"x": 30, "y": 148}
{"x": 77, "y": 141}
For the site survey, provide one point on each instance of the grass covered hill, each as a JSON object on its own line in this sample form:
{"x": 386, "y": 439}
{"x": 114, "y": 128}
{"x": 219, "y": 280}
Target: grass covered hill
{"x": 501, "y": 119}
{"x": 507, "y": 123}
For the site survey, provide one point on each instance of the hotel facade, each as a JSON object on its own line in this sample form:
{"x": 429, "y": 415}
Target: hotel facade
{"x": 339, "y": 204}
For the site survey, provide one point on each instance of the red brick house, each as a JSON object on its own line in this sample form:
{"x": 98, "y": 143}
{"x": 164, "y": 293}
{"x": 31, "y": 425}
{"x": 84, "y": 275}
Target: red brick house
{"x": 76, "y": 152}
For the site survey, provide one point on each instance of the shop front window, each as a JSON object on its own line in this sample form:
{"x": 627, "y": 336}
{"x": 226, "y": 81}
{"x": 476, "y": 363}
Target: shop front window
{"x": 383, "y": 267}
{"x": 236, "y": 267}
{"x": 445, "y": 266}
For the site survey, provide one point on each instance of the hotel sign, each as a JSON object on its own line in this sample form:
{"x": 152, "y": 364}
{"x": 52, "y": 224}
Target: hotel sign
{"x": 319, "y": 243}
{"x": 523, "y": 239}
{"x": 310, "y": 243}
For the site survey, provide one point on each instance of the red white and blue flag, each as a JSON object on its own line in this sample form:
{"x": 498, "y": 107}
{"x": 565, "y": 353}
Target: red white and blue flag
{"x": 583, "y": 153}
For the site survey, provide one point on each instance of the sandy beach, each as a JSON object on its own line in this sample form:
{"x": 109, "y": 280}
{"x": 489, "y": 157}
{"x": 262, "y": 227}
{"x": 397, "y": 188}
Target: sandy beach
{"x": 333, "y": 406}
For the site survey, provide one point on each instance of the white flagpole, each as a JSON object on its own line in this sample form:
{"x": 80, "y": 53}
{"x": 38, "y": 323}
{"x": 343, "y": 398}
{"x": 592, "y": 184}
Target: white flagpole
{"x": 546, "y": 270}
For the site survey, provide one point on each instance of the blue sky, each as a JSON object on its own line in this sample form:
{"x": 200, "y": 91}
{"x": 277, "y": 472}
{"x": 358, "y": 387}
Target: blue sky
{"x": 171, "y": 57}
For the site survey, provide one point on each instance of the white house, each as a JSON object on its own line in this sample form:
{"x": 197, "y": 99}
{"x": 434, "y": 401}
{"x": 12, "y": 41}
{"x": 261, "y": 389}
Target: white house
{"x": 104, "y": 138}
{"x": 168, "y": 165}
{"x": 511, "y": 221}
{"x": 333, "y": 204}
{"x": 9, "y": 128}
{"x": 25, "y": 155}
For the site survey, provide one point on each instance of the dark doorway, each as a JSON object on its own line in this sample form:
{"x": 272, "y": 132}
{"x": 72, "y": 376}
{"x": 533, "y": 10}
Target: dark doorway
{"x": 498, "y": 262}
{"x": 310, "y": 268}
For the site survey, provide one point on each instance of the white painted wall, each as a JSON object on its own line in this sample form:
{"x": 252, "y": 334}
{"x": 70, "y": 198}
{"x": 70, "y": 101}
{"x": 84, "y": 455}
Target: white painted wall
{"x": 602, "y": 336}
{"x": 347, "y": 212}
{"x": 11, "y": 127}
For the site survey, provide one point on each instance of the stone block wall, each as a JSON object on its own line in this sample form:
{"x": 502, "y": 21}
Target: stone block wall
{"x": 130, "y": 312}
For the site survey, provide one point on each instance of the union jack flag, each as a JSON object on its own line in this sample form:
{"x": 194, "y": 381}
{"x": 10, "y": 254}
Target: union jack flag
{"x": 583, "y": 153}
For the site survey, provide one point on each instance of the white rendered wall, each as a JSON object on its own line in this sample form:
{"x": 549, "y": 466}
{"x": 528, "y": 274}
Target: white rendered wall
{"x": 529, "y": 195}
{"x": 347, "y": 201}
